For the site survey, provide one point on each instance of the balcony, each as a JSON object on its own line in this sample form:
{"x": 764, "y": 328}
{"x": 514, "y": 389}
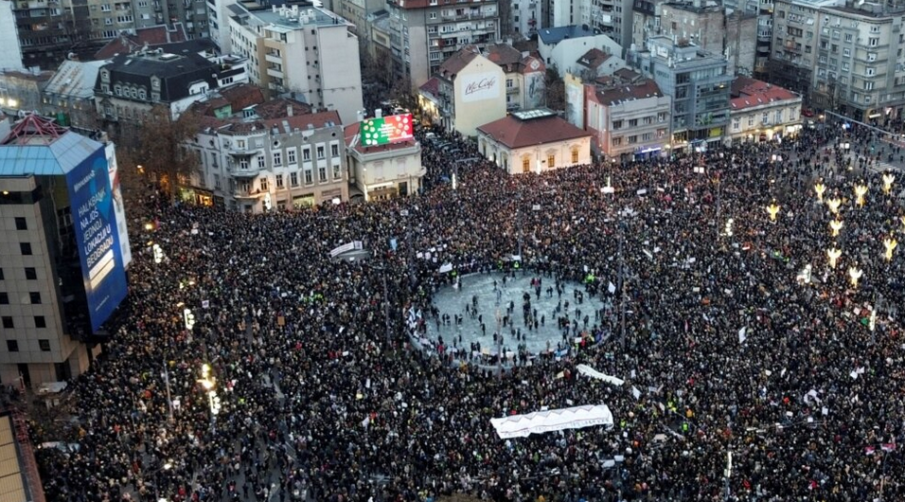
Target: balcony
{"x": 275, "y": 72}
{"x": 273, "y": 57}
{"x": 512, "y": 90}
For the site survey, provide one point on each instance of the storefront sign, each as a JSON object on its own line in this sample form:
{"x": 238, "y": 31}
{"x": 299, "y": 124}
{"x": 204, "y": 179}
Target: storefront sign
{"x": 480, "y": 87}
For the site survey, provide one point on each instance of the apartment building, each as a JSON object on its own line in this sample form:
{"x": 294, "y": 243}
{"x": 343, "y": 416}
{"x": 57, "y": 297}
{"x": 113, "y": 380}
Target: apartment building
{"x": 308, "y": 51}
{"x": 470, "y": 89}
{"x": 270, "y": 156}
{"x": 627, "y": 120}
{"x": 860, "y": 70}
{"x": 524, "y": 74}
{"x": 22, "y": 90}
{"x": 109, "y": 18}
{"x": 701, "y": 22}
{"x": 564, "y": 46}
{"x": 424, "y": 33}
{"x": 762, "y": 112}
{"x": 11, "y": 57}
{"x": 699, "y": 85}
{"x": 527, "y": 17}
{"x": 609, "y": 17}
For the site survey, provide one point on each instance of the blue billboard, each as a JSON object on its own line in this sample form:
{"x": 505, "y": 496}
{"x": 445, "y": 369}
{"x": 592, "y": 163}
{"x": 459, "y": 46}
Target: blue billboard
{"x": 97, "y": 236}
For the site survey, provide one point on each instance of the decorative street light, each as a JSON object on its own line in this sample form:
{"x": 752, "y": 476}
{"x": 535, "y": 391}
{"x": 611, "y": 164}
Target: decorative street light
{"x": 834, "y": 204}
{"x": 835, "y": 226}
{"x": 854, "y": 274}
{"x": 773, "y": 210}
{"x": 890, "y": 244}
{"x": 820, "y": 188}
{"x": 729, "y": 223}
{"x": 888, "y": 179}
{"x": 833, "y": 254}
{"x": 860, "y": 192}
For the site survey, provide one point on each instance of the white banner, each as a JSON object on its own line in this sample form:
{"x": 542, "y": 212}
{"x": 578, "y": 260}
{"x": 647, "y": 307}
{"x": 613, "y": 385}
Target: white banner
{"x": 446, "y": 267}
{"x": 479, "y": 86}
{"x": 578, "y": 417}
{"x": 584, "y": 369}
{"x": 118, "y": 204}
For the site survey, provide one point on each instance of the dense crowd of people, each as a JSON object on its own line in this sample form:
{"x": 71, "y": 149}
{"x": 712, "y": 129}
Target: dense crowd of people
{"x": 731, "y": 346}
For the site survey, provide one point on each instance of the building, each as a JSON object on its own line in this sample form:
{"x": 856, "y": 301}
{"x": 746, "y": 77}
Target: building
{"x": 698, "y": 84}
{"x": 424, "y": 33}
{"x": 527, "y": 17}
{"x": 533, "y": 141}
{"x": 382, "y": 172}
{"x": 608, "y": 17}
{"x": 358, "y": 13}
{"x": 741, "y": 43}
{"x": 69, "y": 95}
{"x": 860, "y": 68}
{"x": 22, "y": 90}
{"x": 628, "y": 120}
{"x": 275, "y": 155}
{"x": 49, "y": 31}
{"x": 562, "y": 47}
{"x": 172, "y": 38}
{"x": 130, "y": 85}
{"x": 596, "y": 63}
{"x": 762, "y": 112}
{"x": 701, "y": 22}
{"x": 65, "y": 250}
{"x": 525, "y": 75}
{"x": 11, "y": 57}
{"x": 470, "y": 89}
{"x": 794, "y": 51}
{"x": 309, "y": 51}
{"x": 763, "y": 10}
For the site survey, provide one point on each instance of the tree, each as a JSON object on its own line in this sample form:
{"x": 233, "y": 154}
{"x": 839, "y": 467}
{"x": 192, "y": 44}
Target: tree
{"x": 555, "y": 89}
{"x": 154, "y": 149}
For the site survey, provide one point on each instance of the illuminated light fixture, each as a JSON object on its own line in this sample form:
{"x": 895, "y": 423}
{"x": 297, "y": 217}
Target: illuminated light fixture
{"x": 890, "y": 244}
{"x": 820, "y": 188}
{"x": 834, "y": 204}
{"x": 833, "y": 254}
{"x": 149, "y": 226}
{"x": 804, "y": 277}
{"x": 158, "y": 253}
{"x": 888, "y": 180}
{"x": 855, "y": 274}
{"x": 729, "y": 223}
{"x": 860, "y": 192}
{"x": 189, "y": 319}
{"x": 835, "y": 226}
{"x": 773, "y": 210}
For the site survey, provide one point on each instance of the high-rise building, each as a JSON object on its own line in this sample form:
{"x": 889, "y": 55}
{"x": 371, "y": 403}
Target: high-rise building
{"x": 424, "y": 33}
{"x": 11, "y": 57}
{"x": 64, "y": 247}
{"x": 609, "y": 17}
{"x": 699, "y": 86}
{"x": 310, "y": 52}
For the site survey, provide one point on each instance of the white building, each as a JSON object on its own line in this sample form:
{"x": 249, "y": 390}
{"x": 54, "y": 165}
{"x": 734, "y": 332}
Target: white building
{"x": 608, "y": 17}
{"x": 527, "y": 17}
{"x": 311, "y": 52}
{"x": 563, "y": 47}
{"x": 218, "y": 23}
{"x": 385, "y": 171}
{"x": 533, "y": 141}
{"x": 470, "y": 89}
{"x": 11, "y": 56}
{"x": 762, "y": 112}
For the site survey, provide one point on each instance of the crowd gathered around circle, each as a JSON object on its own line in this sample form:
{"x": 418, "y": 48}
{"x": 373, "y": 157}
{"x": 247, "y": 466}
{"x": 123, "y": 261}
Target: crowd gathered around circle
{"x": 733, "y": 334}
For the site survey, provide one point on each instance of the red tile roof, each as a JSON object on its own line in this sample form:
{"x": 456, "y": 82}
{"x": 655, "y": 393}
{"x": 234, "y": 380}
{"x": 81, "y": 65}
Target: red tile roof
{"x": 431, "y": 87}
{"x": 503, "y": 54}
{"x": 454, "y": 64}
{"x": 277, "y": 108}
{"x": 616, "y": 94}
{"x": 515, "y": 133}
{"x": 750, "y": 93}
{"x": 593, "y": 58}
{"x": 152, "y": 35}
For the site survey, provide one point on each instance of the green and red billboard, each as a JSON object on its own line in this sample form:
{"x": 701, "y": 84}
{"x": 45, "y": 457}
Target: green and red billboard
{"x": 384, "y": 130}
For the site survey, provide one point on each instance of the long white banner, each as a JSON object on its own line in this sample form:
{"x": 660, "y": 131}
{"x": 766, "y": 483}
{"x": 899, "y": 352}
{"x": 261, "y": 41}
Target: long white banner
{"x": 517, "y": 426}
{"x": 584, "y": 369}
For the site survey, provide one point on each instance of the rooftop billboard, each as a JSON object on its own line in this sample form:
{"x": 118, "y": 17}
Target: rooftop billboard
{"x": 383, "y": 130}
{"x": 97, "y": 236}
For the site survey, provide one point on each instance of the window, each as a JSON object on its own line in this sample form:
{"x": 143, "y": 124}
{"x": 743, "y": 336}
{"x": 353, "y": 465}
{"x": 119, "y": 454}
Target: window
{"x": 217, "y": 181}
{"x": 25, "y": 248}
{"x": 870, "y": 72}
{"x": 320, "y": 152}
{"x": 279, "y": 181}
{"x": 105, "y": 7}
{"x": 551, "y": 161}
{"x": 31, "y": 274}
{"x": 243, "y": 163}
{"x": 575, "y": 155}
{"x": 11, "y": 345}
{"x": 633, "y": 123}
{"x": 337, "y": 172}
{"x": 617, "y": 124}
{"x": 334, "y": 150}
{"x": 21, "y": 224}
{"x": 647, "y": 136}
{"x": 868, "y": 86}
{"x": 44, "y": 344}
{"x": 34, "y": 297}
{"x": 617, "y": 141}
{"x": 632, "y": 139}
{"x": 4, "y": 298}
{"x": 847, "y": 52}
{"x": 294, "y": 179}
{"x": 848, "y": 37}
{"x": 871, "y": 56}
{"x": 765, "y": 118}
{"x": 277, "y": 159}
{"x": 8, "y": 322}
{"x": 526, "y": 165}
{"x": 290, "y": 156}
{"x": 322, "y": 174}
{"x": 309, "y": 177}
{"x": 306, "y": 154}
{"x": 873, "y": 42}
{"x": 779, "y": 116}
{"x": 509, "y": 83}
{"x": 262, "y": 163}
{"x": 750, "y": 120}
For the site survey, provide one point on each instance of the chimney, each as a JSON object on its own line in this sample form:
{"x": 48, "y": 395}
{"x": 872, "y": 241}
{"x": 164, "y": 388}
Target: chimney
{"x": 288, "y": 110}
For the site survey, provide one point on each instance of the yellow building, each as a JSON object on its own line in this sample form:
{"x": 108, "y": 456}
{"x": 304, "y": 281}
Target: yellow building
{"x": 534, "y": 141}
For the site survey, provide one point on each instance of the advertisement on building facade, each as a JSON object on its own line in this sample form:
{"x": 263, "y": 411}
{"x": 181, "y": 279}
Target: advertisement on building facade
{"x": 97, "y": 236}
{"x": 118, "y": 207}
{"x": 383, "y": 130}
{"x": 535, "y": 89}
{"x": 480, "y": 86}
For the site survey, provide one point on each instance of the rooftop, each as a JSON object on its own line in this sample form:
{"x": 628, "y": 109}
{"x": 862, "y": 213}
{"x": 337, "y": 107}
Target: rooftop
{"x": 38, "y": 146}
{"x": 593, "y": 58}
{"x": 553, "y": 36}
{"x": 618, "y": 94}
{"x": 352, "y": 137}
{"x": 151, "y": 36}
{"x": 460, "y": 59}
{"x": 159, "y": 63}
{"x": 75, "y": 79}
{"x": 432, "y": 86}
{"x": 750, "y": 93}
{"x": 285, "y": 18}
{"x": 697, "y": 6}
{"x": 531, "y": 127}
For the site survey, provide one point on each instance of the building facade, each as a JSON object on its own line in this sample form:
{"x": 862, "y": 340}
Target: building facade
{"x": 22, "y": 90}
{"x": 608, "y": 17}
{"x": 762, "y": 112}
{"x": 533, "y": 141}
{"x": 699, "y": 86}
{"x": 563, "y": 47}
{"x": 471, "y": 89}
{"x": 11, "y": 57}
{"x": 424, "y": 33}
{"x": 628, "y": 120}
{"x": 700, "y": 22}
{"x": 383, "y": 172}
{"x": 527, "y": 17}
{"x": 309, "y": 51}
{"x": 51, "y": 285}
{"x": 69, "y": 95}
{"x": 741, "y": 45}
{"x": 292, "y": 159}
{"x": 524, "y": 76}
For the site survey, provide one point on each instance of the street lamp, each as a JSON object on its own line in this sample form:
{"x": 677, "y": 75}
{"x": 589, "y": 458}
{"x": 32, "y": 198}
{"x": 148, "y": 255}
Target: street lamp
{"x": 729, "y": 223}
{"x": 835, "y": 226}
{"x": 773, "y": 209}
{"x": 854, "y": 274}
{"x": 834, "y": 204}
{"x": 860, "y": 192}
{"x": 833, "y": 254}
{"x": 890, "y": 244}
{"x": 819, "y": 188}
{"x": 888, "y": 179}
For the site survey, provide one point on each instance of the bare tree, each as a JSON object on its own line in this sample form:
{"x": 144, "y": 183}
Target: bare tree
{"x": 555, "y": 90}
